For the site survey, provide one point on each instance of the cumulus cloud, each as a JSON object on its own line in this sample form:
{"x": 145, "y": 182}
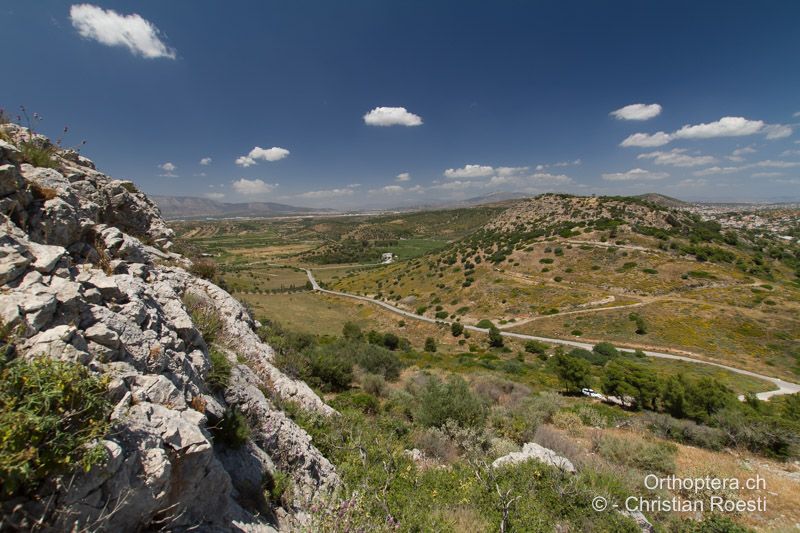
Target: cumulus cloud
{"x": 169, "y": 170}
{"x": 403, "y": 176}
{"x": 392, "y": 116}
{"x": 214, "y": 195}
{"x": 110, "y": 28}
{"x": 470, "y": 171}
{"x": 264, "y": 154}
{"x": 635, "y": 174}
{"x": 678, "y": 157}
{"x": 637, "y": 112}
{"x": 205, "y": 161}
{"x": 724, "y": 127}
{"x": 646, "y": 140}
{"x": 247, "y": 187}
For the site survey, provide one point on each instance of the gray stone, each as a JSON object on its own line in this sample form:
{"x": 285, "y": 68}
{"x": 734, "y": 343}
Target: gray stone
{"x": 530, "y": 451}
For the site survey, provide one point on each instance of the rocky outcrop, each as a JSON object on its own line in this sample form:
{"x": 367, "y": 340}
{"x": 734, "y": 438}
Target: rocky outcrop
{"x": 533, "y": 451}
{"x": 87, "y": 276}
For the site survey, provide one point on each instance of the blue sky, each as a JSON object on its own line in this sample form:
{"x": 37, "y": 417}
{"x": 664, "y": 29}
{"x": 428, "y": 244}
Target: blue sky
{"x": 284, "y": 98}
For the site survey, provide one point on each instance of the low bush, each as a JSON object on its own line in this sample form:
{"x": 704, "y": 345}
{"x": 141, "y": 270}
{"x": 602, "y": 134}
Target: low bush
{"x": 232, "y": 430}
{"x": 637, "y": 452}
{"x": 51, "y": 415}
{"x": 219, "y": 375}
{"x": 451, "y": 400}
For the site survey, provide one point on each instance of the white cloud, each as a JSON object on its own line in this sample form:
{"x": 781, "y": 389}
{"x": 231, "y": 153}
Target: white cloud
{"x": 777, "y": 131}
{"x": 470, "y": 171}
{"x": 330, "y": 193}
{"x": 636, "y": 174}
{"x": 677, "y": 157}
{"x": 264, "y": 154}
{"x": 574, "y": 162}
{"x": 771, "y": 163}
{"x": 790, "y": 153}
{"x": 392, "y": 116}
{"x": 169, "y": 170}
{"x": 403, "y": 176}
{"x": 214, "y": 195}
{"x": 646, "y": 140}
{"x": 110, "y": 28}
{"x": 637, "y": 112}
{"x": 738, "y": 154}
{"x": 205, "y": 161}
{"x": 796, "y": 114}
{"x": 456, "y": 185}
{"x": 724, "y": 127}
{"x": 712, "y": 171}
{"x": 247, "y": 187}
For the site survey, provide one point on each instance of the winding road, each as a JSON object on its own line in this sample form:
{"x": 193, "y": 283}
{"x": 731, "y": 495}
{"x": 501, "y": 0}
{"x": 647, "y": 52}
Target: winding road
{"x": 783, "y": 387}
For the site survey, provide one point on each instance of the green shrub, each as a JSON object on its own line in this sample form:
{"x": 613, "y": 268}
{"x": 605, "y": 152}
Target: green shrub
{"x": 430, "y": 344}
{"x": 233, "y": 430}
{"x": 204, "y": 316}
{"x": 484, "y": 324}
{"x": 374, "y": 384}
{"x": 352, "y": 331}
{"x": 535, "y": 347}
{"x": 330, "y": 372}
{"x": 51, "y": 413}
{"x": 37, "y": 154}
{"x": 360, "y": 401}
{"x": 451, "y": 400}
{"x": 219, "y": 376}
{"x": 456, "y": 329}
{"x": 374, "y": 359}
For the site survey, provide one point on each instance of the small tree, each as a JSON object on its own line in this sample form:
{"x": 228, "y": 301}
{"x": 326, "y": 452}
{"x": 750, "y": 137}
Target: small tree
{"x": 456, "y": 328}
{"x": 574, "y": 373}
{"x": 430, "y": 344}
{"x": 495, "y": 337}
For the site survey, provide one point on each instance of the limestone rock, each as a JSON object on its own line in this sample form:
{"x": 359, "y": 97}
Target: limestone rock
{"x": 531, "y": 450}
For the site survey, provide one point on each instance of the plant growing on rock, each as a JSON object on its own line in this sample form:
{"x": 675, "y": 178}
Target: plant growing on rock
{"x": 51, "y": 415}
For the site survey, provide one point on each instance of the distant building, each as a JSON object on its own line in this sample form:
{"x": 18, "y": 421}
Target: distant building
{"x": 387, "y": 257}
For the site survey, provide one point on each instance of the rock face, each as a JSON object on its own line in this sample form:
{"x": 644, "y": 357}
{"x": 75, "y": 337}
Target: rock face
{"x": 531, "y": 450}
{"x": 86, "y": 276}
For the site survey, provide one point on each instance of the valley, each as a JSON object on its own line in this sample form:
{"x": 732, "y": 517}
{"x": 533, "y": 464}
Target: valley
{"x": 540, "y": 295}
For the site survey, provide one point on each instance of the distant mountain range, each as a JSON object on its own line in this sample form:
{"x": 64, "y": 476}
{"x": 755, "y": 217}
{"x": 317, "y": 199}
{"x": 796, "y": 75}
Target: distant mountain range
{"x": 190, "y": 207}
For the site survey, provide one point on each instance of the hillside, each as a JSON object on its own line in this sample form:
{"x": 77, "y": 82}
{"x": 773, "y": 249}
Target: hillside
{"x": 134, "y": 395}
{"x": 190, "y": 207}
{"x": 595, "y": 267}
{"x": 432, "y": 406}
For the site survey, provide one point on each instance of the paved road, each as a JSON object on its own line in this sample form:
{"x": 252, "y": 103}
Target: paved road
{"x": 783, "y": 387}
